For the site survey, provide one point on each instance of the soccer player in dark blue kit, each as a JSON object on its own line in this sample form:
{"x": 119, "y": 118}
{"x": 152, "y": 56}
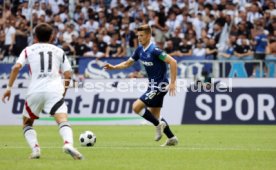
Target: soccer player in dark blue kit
{"x": 155, "y": 62}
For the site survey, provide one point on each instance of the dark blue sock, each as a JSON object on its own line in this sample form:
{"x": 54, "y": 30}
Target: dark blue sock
{"x": 149, "y": 116}
{"x": 167, "y": 129}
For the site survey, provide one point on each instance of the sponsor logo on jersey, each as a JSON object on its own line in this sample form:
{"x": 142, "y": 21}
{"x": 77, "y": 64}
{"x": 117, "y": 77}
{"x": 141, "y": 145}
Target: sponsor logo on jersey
{"x": 147, "y": 63}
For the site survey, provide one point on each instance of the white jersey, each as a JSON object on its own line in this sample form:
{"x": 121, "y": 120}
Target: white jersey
{"x": 46, "y": 63}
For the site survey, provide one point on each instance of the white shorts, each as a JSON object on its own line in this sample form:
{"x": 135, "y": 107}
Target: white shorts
{"x": 48, "y": 102}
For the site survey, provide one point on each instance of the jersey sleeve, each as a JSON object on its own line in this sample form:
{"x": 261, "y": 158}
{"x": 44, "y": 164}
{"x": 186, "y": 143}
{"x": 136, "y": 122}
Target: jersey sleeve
{"x": 135, "y": 55}
{"x": 160, "y": 53}
{"x": 22, "y": 59}
{"x": 65, "y": 64}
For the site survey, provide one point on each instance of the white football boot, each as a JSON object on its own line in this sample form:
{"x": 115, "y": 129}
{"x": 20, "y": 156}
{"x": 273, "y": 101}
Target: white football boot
{"x": 159, "y": 130}
{"x": 35, "y": 153}
{"x": 69, "y": 149}
{"x": 171, "y": 141}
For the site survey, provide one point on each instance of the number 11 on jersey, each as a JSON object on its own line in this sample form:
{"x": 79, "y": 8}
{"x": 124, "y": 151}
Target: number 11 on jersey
{"x": 42, "y": 64}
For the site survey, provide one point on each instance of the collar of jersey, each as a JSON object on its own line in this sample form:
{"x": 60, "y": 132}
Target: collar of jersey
{"x": 147, "y": 47}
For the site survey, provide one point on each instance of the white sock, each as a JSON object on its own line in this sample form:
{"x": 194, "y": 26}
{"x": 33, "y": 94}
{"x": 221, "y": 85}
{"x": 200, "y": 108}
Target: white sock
{"x": 66, "y": 133}
{"x": 31, "y": 137}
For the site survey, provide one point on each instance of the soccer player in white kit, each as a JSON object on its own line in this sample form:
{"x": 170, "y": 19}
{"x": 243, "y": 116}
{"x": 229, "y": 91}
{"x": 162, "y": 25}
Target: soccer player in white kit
{"x": 46, "y": 90}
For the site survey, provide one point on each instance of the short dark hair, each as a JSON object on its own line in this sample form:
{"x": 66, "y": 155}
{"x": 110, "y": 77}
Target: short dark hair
{"x": 146, "y": 28}
{"x": 43, "y": 32}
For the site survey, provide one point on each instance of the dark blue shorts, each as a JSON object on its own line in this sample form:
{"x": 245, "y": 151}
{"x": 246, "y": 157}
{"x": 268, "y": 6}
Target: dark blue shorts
{"x": 153, "y": 97}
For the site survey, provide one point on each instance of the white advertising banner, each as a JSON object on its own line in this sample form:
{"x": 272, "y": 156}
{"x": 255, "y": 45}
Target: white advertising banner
{"x": 109, "y": 102}
{"x": 96, "y": 102}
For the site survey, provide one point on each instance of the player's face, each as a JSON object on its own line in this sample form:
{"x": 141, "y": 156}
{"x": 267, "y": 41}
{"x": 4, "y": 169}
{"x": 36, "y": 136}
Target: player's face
{"x": 143, "y": 37}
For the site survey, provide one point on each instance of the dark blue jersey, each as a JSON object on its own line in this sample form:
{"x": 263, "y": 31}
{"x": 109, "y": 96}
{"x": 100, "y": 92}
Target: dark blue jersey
{"x": 261, "y": 41}
{"x": 230, "y": 51}
{"x": 153, "y": 60}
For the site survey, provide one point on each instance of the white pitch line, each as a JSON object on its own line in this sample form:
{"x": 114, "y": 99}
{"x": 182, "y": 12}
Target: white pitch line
{"x": 158, "y": 148}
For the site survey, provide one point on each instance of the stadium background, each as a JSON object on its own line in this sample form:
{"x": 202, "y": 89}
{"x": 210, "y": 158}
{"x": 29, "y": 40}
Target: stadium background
{"x": 209, "y": 39}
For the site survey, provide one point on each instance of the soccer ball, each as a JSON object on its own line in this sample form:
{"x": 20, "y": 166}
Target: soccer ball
{"x": 87, "y": 138}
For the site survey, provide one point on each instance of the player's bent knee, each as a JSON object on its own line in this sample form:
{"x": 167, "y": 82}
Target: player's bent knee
{"x": 137, "y": 108}
{"x": 61, "y": 117}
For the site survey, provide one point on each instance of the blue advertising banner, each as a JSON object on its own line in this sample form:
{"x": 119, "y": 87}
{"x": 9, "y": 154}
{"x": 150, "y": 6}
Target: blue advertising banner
{"x": 5, "y": 70}
{"x": 92, "y": 68}
{"x": 188, "y": 67}
{"x": 240, "y": 105}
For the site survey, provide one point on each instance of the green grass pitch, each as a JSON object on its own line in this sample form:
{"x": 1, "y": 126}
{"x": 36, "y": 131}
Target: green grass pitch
{"x": 132, "y": 147}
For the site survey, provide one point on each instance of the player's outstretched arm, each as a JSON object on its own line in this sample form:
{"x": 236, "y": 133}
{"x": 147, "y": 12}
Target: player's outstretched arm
{"x": 13, "y": 75}
{"x": 120, "y": 66}
{"x": 173, "y": 68}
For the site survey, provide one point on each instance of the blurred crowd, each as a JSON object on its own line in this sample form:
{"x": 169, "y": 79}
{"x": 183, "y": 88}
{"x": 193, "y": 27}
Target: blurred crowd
{"x": 106, "y": 28}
